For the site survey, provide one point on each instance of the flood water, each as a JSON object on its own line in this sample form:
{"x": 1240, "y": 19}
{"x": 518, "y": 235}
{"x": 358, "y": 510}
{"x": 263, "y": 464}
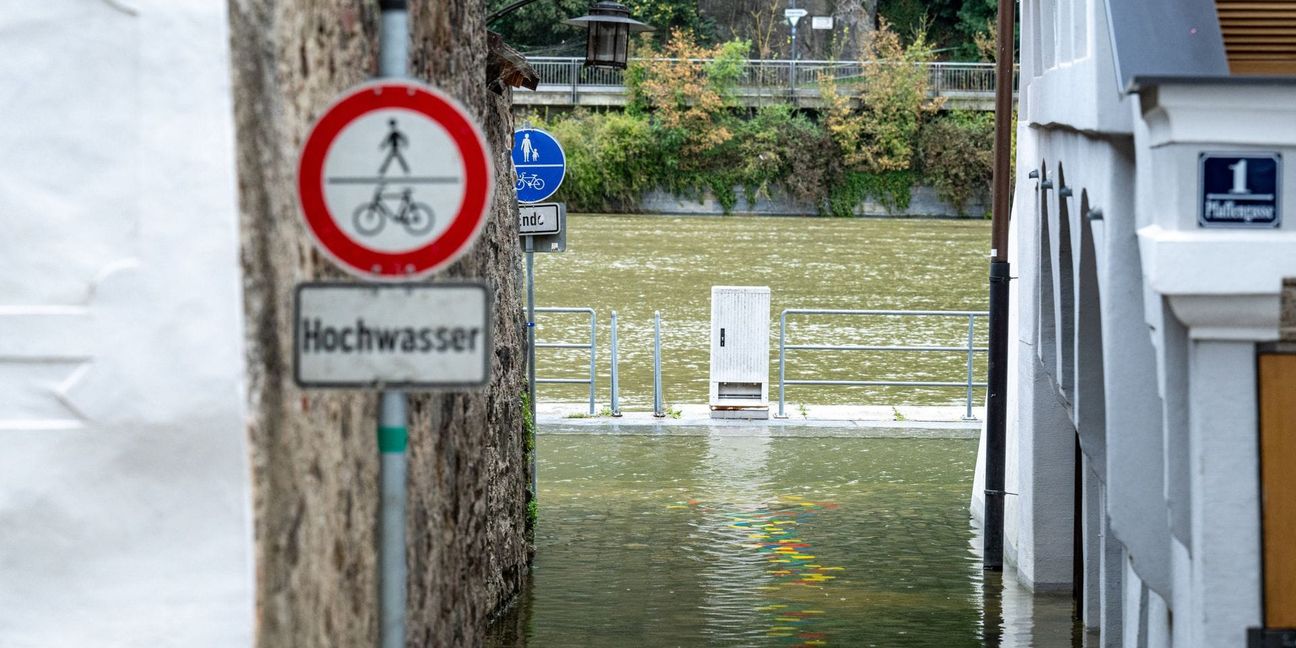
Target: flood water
{"x": 636, "y": 264}
{"x": 752, "y": 536}
{"x": 732, "y": 537}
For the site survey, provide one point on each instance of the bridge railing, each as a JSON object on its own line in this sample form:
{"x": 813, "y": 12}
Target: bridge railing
{"x": 945, "y": 77}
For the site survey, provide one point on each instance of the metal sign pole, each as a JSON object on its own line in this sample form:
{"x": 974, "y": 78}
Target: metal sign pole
{"x": 795, "y": 56}
{"x": 531, "y": 361}
{"x": 997, "y": 369}
{"x": 393, "y": 435}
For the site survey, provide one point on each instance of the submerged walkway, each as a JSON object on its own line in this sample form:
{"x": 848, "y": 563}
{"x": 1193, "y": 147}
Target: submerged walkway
{"x": 907, "y": 421}
{"x": 794, "y": 533}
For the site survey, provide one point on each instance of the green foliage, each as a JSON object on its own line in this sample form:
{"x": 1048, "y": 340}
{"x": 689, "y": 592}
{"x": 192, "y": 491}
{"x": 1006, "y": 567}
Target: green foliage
{"x": 684, "y": 133}
{"x": 952, "y": 26}
{"x": 667, "y": 16}
{"x": 976, "y": 23}
{"x": 528, "y": 424}
{"x": 880, "y": 134}
{"x": 891, "y": 188}
{"x": 958, "y": 157}
{"x": 541, "y": 23}
{"x": 936, "y": 20}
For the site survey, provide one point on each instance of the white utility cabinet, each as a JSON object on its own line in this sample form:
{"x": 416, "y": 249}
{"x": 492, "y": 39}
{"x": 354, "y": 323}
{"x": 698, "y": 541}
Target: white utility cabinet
{"x": 740, "y": 317}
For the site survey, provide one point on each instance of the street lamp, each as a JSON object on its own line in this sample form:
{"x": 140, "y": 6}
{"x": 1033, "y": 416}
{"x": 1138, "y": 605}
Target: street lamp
{"x": 609, "y": 25}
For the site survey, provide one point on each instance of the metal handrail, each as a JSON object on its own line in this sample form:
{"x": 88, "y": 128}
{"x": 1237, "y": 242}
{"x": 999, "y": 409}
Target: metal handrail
{"x": 970, "y": 349}
{"x": 946, "y": 78}
{"x": 593, "y": 353}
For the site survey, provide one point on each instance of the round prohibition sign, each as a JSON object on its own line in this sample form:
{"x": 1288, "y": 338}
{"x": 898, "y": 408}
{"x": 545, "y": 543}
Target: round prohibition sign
{"x": 395, "y": 180}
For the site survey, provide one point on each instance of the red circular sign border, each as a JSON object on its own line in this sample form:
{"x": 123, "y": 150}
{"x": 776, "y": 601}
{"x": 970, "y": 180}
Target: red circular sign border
{"x": 479, "y": 181}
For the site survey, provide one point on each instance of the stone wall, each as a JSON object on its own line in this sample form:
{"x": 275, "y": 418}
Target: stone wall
{"x": 923, "y": 202}
{"x": 315, "y": 454}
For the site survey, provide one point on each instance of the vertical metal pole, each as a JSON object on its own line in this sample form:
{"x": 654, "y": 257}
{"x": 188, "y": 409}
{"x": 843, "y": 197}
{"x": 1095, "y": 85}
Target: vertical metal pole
{"x": 531, "y": 359}
{"x": 393, "y": 435}
{"x": 593, "y": 356}
{"x": 659, "y": 401}
{"x": 997, "y": 373}
{"x": 393, "y": 438}
{"x": 967, "y": 416}
{"x": 616, "y": 397}
{"x": 575, "y": 76}
{"x": 782, "y": 339}
{"x": 795, "y": 54}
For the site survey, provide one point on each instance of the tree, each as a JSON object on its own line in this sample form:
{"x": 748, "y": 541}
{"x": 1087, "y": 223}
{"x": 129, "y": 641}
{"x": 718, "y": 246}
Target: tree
{"x": 894, "y": 101}
{"x": 315, "y": 456}
{"x": 539, "y": 25}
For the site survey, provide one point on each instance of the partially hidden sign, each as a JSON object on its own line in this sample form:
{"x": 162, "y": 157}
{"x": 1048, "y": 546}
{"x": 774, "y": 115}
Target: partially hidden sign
{"x": 540, "y": 162}
{"x": 395, "y": 180}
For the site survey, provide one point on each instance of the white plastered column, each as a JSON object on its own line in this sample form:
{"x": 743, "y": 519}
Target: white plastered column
{"x": 1212, "y": 294}
{"x": 124, "y": 481}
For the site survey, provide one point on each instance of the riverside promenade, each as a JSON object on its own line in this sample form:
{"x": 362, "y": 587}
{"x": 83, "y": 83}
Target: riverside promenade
{"x": 869, "y": 421}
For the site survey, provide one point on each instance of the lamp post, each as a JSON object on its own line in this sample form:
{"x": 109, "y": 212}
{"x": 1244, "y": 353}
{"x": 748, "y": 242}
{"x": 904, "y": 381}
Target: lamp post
{"x": 794, "y": 15}
{"x": 609, "y": 26}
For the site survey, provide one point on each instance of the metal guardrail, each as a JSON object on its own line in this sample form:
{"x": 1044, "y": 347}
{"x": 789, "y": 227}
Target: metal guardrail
{"x": 590, "y": 347}
{"x": 969, "y": 349}
{"x": 946, "y": 78}
{"x": 659, "y": 397}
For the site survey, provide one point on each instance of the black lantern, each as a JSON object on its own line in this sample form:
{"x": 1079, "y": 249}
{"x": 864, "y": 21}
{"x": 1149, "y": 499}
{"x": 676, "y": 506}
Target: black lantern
{"x": 610, "y": 26}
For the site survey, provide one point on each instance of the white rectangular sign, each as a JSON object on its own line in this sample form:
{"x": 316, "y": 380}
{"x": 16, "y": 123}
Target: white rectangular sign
{"x": 353, "y": 335}
{"x": 794, "y": 13}
{"x": 821, "y": 22}
{"x": 541, "y": 218}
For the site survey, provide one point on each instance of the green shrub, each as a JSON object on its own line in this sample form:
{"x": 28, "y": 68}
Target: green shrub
{"x": 957, "y": 157}
{"x": 684, "y": 133}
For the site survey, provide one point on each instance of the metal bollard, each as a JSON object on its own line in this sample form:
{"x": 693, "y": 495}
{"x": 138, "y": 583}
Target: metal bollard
{"x": 659, "y": 402}
{"x": 782, "y": 360}
{"x": 593, "y": 354}
{"x": 616, "y": 397}
{"x": 967, "y": 416}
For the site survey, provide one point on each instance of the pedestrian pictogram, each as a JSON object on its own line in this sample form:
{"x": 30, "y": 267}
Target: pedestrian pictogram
{"x": 540, "y": 164}
{"x": 395, "y": 180}
{"x": 394, "y": 142}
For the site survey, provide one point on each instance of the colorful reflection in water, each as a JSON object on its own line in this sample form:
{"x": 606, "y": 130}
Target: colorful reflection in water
{"x": 736, "y": 538}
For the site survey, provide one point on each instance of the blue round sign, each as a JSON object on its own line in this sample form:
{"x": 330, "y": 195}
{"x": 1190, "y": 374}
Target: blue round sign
{"x": 540, "y": 164}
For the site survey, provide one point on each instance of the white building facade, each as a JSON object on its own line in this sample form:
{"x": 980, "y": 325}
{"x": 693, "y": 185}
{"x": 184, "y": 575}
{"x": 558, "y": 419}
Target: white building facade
{"x": 125, "y": 482}
{"x": 1142, "y": 297}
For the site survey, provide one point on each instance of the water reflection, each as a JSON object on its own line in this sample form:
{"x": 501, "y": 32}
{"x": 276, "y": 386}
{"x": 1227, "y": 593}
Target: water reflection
{"x": 743, "y": 539}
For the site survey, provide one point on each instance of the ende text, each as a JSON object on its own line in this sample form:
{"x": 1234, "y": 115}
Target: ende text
{"x": 363, "y": 338}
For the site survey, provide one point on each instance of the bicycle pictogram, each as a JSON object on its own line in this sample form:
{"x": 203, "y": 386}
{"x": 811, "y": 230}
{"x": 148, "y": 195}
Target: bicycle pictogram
{"x": 531, "y": 180}
{"x": 370, "y": 218}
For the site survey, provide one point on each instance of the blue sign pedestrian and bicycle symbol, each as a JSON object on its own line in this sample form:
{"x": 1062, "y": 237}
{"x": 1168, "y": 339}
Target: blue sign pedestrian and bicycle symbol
{"x": 540, "y": 164}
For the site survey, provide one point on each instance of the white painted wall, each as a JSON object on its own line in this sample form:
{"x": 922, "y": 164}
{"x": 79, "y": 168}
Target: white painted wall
{"x": 1168, "y": 422}
{"x": 124, "y": 479}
